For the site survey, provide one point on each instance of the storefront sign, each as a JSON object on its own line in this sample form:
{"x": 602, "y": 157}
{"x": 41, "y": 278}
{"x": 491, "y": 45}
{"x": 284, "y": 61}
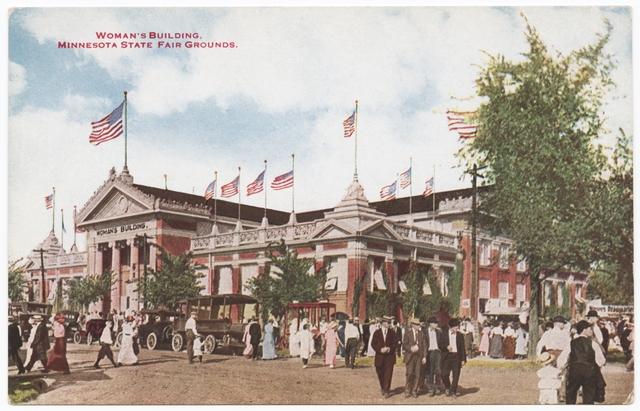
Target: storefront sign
{"x": 122, "y": 229}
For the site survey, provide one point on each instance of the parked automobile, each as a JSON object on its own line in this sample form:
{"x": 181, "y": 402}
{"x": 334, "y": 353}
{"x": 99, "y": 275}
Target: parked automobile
{"x": 25, "y": 310}
{"x": 158, "y": 329}
{"x": 220, "y": 320}
{"x": 92, "y": 331}
{"x": 71, "y": 324}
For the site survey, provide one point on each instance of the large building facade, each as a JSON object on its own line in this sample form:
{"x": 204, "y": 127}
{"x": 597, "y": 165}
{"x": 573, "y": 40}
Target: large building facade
{"x": 359, "y": 239}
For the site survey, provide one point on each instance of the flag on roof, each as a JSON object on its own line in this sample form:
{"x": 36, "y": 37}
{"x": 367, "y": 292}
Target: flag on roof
{"x": 210, "y": 192}
{"x": 283, "y": 181}
{"x": 48, "y": 201}
{"x": 230, "y": 189}
{"x": 108, "y": 128}
{"x": 389, "y": 192}
{"x": 349, "y": 125}
{"x": 457, "y": 123}
{"x": 429, "y": 188}
{"x": 75, "y": 221}
{"x": 63, "y": 229}
{"x": 257, "y": 186}
{"x": 405, "y": 178}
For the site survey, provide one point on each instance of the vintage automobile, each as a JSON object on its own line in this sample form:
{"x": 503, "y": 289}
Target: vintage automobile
{"x": 220, "y": 320}
{"x": 92, "y": 331}
{"x": 71, "y": 324}
{"x": 158, "y": 329}
{"x": 25, "y": 310}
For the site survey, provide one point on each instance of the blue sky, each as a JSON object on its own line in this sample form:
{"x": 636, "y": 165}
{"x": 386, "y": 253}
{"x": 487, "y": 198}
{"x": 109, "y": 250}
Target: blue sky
{"x": 285, "y": 89}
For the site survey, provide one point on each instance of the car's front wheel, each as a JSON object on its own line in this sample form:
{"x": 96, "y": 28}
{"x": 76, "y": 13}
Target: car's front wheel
{"x": 77, "y": 337}
{"x": 210, "y": 344}
{"x": 177, "y": 342}
{"x": 152, "y": 341}
{"x": 89, "y": 339}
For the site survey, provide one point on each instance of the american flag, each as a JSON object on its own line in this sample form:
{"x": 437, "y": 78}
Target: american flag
{"x": 405, "y": 178}
{"x": 230, "y": 189}
{"x": 75, "y": 221}
{"x": 283, "y": 181}
{"x": 429, "y": 188}
{"x": 48, "y": 201}
{"x": 349, "y": 125}
{"x": 389, "y": 192}
{"x": 210, "y": 192}
{"x": 108, "y": 128}
{"x": 257, "y": 186}
{"x": 458, "y": 123}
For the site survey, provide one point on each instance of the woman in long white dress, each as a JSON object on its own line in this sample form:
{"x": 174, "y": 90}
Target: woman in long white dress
{"x": 372, "y": 328}
{"x": 307, "y": 346}
{"x": 126, "y": 355}
{"x": 294, "y": 342}
{"x": 36, "y": 365}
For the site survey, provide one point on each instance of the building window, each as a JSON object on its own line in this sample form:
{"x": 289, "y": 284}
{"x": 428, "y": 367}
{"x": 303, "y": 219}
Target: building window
{"x": 338, "y": 275}
{"x": 248, "y": 271}
{"x": 225, "y": 280}
{"x": 548, "y": 291}
{"x": 560, "y": 296}
{"x": 484, "y": 288}
{"x": 504, "y": 256}
{"x": 374, "y": 271}
{"x": 485, "y": 253}
{"x": 503, "y": 290}
{"x": 521, "y": 292}
{"x": 522, "y": 265}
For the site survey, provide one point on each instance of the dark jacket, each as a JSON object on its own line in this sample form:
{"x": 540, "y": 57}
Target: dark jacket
{"x": 409, "y": 341}
{"x": 15, "y": 339}
{"x": 378, "y": 342}
{"x": 41, "y": 339}
{"x": 443, "y": 343}
{"x": 255, "y": 333}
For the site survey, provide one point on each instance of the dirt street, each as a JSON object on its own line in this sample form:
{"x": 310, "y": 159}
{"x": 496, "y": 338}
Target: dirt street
{"x": 165, "y": 377}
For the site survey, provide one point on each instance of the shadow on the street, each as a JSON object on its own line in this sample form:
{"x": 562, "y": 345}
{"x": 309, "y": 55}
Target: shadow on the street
{"x": 465, "y": 391}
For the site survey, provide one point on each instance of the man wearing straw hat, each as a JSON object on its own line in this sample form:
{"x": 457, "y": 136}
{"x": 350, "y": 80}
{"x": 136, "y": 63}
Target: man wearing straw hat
{"x": 40, "y": 345}
{"x": 415, "y": 355}
{"x": 191, "y": 331}
{"x": 385, "y": 342}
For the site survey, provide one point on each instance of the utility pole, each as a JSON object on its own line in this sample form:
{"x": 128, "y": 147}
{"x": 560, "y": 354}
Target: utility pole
{"x": 43, "y": 297}
{"x": 474, "y": 226}
{"x": 141, "y": 241}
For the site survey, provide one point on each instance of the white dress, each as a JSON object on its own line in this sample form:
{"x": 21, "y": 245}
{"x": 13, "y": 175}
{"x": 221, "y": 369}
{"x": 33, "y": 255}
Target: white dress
{"x": 197, "y": 347}
{"x": 294, "y": 341}
{"x": 370, "y": 351}
{"x": 30, "y": 350}
{"x": 126, "y": 354}
{"x": 306, "y": 344}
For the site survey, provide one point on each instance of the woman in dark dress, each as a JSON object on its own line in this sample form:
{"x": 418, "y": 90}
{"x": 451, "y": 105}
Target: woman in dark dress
{"x": 58, "y": 356}
{"x": 495, "y": 343}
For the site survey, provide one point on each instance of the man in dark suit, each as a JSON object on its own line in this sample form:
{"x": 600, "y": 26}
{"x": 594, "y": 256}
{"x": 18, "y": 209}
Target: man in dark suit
{"x": 40, "y": 345}
{"x": 255, "y": 334}
{"x": 414, "y": 347}
{"x": 454, "y": 356}
{"x": 15, "y": 342}
{"x": 431, "y": 370}
{"x": 385, "y": 342}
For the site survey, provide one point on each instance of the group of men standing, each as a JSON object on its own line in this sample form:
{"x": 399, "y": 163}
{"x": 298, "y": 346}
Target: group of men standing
{"x": 430, "y": 353}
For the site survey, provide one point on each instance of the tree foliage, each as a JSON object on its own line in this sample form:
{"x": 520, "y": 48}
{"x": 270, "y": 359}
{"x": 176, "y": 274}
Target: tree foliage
{"x": 415, "y": 303}
{"x": 286, "y": 278}
{"x": 536, "y": 132}
{"x": 81, "y": 292}
{"x": 16, "y": 282}
{"x": 176, "y": 279}
{"x": 379, "y": 301}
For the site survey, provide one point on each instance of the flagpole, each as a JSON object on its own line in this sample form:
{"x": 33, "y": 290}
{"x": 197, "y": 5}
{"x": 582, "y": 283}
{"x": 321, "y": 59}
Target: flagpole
{"x": 264, "y": 180}
{"x": 355, "y": 174}
{"x": 410, "y": 186}
{"x": 215, "y": 200}
{"x": 239, "y": 194}
{"x": 53, "y": 213}
{"x": 74, "y": 225}
{"x": 62, "y": 228}
{"x": 125, "y": 129}
{"x": 433, "y": 216}
{"x": 165, "y": 181}
{"x": 293, "y": 176}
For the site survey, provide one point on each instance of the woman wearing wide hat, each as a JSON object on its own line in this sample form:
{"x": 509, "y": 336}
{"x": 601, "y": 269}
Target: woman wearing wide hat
{"x": 58, "y": 357}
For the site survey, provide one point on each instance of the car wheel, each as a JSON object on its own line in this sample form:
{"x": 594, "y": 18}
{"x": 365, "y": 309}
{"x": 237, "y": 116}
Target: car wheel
{"x": 152, "y": 341}
{"x": 210, "y": 344}
{"x": 89, "y": 339}
{"x": 77, "y": 337}
{"x": 167, "y": 333}
{"x": 177, "y": 342}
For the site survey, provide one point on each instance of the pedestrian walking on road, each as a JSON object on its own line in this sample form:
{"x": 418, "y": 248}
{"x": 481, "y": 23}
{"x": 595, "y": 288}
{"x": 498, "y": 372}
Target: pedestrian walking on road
{"x": 254, "y": 334}
{"x": 58, "y": 357}
{"x": 495, "y": 343}
{"x": 191, "y": 331}
{"x": 39, "y": 345}
{"x": 415, "y": 356}
{"x": 352, "y": 336}
{"x": 307, "y": 345}
{"x": 522, "y": 340}
{"x": 384, "y": 342}
{"x": 106, "y": 340}
{"x": 246, "y": 338}
{"x": 467, "y": 330}
{"x": 375, "y": 325}
{"x": 32, "y": 335}
{"x": 483, "y": 348}
{"x": 432, "y": 336}
{"x": 332, "y": 341}
{"x": 268, "y": 344}
{"x": 509, "y": 343}
{"x": 197, "y": 347}
{"x": 454, "y": 356}
{"x": 366, "y": 333}
{"x": 15, "y": 342}
{"x": 127, "y": 355}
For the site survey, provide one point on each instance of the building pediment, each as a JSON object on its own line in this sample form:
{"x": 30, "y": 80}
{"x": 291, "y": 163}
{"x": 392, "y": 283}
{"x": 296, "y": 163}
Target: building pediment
{"x": 381, "y": 229}
{"x": 332, "y": 229}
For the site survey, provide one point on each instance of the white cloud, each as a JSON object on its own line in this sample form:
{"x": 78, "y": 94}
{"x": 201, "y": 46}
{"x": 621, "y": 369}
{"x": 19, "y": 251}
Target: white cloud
{"x": 17, "y": 79}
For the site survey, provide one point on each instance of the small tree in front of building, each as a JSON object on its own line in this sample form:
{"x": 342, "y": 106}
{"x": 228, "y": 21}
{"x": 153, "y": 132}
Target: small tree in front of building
{"x": 16, "y": 282}
{"x": 379, "y": 300}
{"x": 176, "y": 279}
{"x": 81, "y": 292}
{"x": 286, "y": 278}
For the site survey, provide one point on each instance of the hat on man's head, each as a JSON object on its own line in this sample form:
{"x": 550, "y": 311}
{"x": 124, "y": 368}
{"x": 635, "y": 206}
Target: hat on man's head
{"x": 415, "y": 321}
{"x": 454, "y": 322}
{"x": 559, "y": 319}
{"x": 582, "y": 325}
{"x": 387, "y": 319}
{"x": 37, "y": 317}
{"x": 356, "y": 319}
{"x": 11, "y": 318}
{"x": 592, "y": 313}
{"x": 546, "y": 358}
{"x": 194, "y": 312}
{"x": 432, "y": 320}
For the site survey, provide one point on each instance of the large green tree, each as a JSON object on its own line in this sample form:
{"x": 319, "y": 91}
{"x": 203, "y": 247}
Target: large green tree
{"x": 286, "y": 278}
{"x": 536, "y": 131}
{"x": 16, "y": 282}
{"x": 176, "y": 279}
{"x": 81, "y": 292}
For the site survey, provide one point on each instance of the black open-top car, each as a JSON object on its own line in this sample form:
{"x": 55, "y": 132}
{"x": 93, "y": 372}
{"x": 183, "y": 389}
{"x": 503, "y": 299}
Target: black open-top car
{"x": 158, "y": 328}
